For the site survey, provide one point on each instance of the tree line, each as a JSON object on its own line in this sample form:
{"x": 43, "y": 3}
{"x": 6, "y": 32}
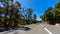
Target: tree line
{"x": 13, "y": 15}
{"x": 52, "y": 14}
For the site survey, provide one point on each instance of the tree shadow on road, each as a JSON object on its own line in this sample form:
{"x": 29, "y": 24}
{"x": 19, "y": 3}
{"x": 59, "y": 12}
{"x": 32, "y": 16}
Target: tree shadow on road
{"x": 5, "y": 32}
{"x": 25, "y": 28}
{"x": 15, "y": 30}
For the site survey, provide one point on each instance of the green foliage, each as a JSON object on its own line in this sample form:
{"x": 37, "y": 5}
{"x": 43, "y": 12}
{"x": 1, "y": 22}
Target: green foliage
{"x": 12, "y": 15}
{"x": 52, "y": 15}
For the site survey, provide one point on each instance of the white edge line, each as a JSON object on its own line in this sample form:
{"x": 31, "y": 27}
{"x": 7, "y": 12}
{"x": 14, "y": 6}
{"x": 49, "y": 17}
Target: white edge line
{"x": 47, "y": 30}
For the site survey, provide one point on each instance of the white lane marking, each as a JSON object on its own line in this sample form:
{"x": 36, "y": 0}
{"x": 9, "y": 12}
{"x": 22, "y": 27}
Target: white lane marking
{"x": 47, "y": 30}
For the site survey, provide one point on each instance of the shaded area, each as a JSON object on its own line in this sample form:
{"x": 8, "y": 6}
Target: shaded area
{"x": 15, "y": 28}
{"x": 25, "y": 28}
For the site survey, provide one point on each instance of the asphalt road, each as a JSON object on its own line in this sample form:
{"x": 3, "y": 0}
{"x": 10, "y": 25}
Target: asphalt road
{"x": 36, "y": 29}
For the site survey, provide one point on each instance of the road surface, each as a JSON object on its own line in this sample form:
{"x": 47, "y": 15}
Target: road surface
{"x": 36, "y": 29}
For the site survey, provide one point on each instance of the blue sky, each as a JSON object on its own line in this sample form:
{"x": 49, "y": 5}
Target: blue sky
{"x": 39, "y": 6}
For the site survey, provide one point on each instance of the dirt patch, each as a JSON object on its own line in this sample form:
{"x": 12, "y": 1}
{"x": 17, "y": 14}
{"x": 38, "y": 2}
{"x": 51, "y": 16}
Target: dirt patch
{"x": 57, "y": 25}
